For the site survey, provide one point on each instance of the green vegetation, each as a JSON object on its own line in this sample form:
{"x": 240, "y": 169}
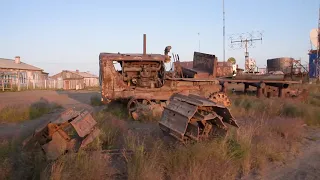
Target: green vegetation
{"x": 96, "y": 100}
{"x": 19, "y": 113}
{"x": 232, "y": 60}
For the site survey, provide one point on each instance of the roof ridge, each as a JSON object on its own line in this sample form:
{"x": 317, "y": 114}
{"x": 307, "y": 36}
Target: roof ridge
{"x": 22, "y": 65}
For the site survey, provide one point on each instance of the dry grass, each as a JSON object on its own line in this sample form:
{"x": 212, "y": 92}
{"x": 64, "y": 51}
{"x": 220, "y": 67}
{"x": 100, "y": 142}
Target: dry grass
{"x": 250, "y": 148}
{"x": 5, "y": 161}
{"x": 96, "y": 100}
{"x": 270, "y": 131}
{"x": 15, "y": 163}
{"x": 117, "y": 109}
{"x": 251, "y": 106}
{"x": 19, "y": 113}
{"x": 81, "y": 165}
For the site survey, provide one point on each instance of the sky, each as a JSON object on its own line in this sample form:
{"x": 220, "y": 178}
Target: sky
{"x": 70, "y": 34}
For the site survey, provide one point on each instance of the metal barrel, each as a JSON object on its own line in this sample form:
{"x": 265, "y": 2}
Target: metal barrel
{"x": 283, "y": 64}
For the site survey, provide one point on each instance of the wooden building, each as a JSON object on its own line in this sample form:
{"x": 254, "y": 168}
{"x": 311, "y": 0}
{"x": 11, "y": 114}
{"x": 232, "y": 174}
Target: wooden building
{"x": 69, "y": 80}
{"x": 90, "y": 80}
{"x": 13, "y": 72}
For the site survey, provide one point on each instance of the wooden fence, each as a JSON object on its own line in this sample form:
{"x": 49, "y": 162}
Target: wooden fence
{"x": 12, "y": 85}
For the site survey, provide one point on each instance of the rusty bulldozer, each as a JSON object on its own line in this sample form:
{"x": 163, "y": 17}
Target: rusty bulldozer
{"x": 192, "y": 117}
{"x": 74, "y": 129}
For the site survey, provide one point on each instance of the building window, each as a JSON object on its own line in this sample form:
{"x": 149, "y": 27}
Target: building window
{"x": 23, "y": 77}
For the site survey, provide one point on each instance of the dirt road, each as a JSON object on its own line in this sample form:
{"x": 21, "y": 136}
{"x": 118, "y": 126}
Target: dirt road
{"x": 78, "y": 99}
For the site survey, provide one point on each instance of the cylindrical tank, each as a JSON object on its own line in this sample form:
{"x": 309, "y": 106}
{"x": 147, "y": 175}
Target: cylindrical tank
{"x": 283, "y": 64}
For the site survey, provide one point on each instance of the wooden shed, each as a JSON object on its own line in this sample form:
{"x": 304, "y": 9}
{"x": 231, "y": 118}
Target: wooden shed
{"x": 70, "y": 80}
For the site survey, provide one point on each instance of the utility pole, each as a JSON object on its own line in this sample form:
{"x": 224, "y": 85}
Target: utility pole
{"x": 199, "y": 41}
{"x": 224, "y": 33}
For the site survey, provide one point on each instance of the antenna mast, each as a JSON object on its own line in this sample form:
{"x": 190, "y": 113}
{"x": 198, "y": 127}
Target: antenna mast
{"x": 318, "y": 58}
{"x": 224, "y": 33}
{"x": 247, "y": 42}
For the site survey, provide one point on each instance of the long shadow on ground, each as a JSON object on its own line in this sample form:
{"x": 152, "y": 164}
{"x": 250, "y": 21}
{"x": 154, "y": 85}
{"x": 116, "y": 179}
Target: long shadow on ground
{"x": 81, "y": 96}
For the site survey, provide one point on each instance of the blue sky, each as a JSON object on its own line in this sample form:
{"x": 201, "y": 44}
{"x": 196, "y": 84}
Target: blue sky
{"x": 70, "y": 34}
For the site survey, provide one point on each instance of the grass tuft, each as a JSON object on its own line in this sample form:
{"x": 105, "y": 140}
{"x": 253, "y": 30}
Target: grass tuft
{"x": 96, "y": 100}
{"x": 19, "y": 113}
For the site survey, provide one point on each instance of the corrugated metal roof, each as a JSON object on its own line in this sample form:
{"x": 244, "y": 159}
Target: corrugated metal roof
{"x": 10, "y": 64}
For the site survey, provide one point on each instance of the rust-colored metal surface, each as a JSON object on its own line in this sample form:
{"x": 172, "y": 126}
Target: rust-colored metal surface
{"x": 55, "y": 138}
{"x": 205, "y": 66}
{"x": 205, "y": 63}
{"x": 142, "y": 77}
{"x": 56, "y": 147}
{"x": 83, "y": 124}
{"x": 224, "y": 69}
{"x": 194, "y": 117}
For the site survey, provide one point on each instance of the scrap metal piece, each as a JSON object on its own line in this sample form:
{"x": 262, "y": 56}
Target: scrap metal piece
{"x": 54, "y": 138}
{"x": 220, "y": 98}
{"x": 92, "y": 136}
{"x": 83, "y": 124}
{"x": 56, "y": 147}
{"x": 194, "y": 117}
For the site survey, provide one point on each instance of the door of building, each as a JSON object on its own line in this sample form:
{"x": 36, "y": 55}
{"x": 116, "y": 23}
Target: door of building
{"x": 66, "y": 85}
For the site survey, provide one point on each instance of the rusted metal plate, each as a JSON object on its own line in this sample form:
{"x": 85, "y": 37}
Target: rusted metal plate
{"x": 224, "y": 69}
{"x": 193, "y": 131}
{"x": 226, "y": 115}
{"x": 260, "y": 77}
{"x": 200, "y": 117}
{"x": 174, "y": 121}
{"x": 94, "y": 134}
{"x": 67, "y": 115}
{"x": 204, "y": 62}
{"x": 84, "y": 123}
{"x": 187, "y": 99}
{"x": 131, "y": 57}
{"x": 182, "y": 108}
{"x": 56, "y": 147}
{"x": 204, "y": 101}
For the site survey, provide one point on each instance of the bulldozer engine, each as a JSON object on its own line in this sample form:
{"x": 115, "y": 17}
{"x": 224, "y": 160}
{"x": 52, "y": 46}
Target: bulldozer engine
{"x": 146, "y": 74}
{"x": 137, "y": 70}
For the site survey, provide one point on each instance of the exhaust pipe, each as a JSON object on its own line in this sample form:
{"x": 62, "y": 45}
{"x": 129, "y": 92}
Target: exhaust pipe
{"x": 144, "y": 44}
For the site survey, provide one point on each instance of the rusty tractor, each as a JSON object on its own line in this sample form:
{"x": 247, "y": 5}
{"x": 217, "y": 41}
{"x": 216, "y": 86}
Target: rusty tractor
{"x": 143, "y": 80}
{"x": 73, "y": 130}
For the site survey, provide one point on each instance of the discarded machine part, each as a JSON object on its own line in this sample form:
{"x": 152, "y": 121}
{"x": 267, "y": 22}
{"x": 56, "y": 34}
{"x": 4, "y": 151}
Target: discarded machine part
{"x": 71, "y": 131}
{"x": 194, "y": 117}
{"x": 220, "y": 98}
